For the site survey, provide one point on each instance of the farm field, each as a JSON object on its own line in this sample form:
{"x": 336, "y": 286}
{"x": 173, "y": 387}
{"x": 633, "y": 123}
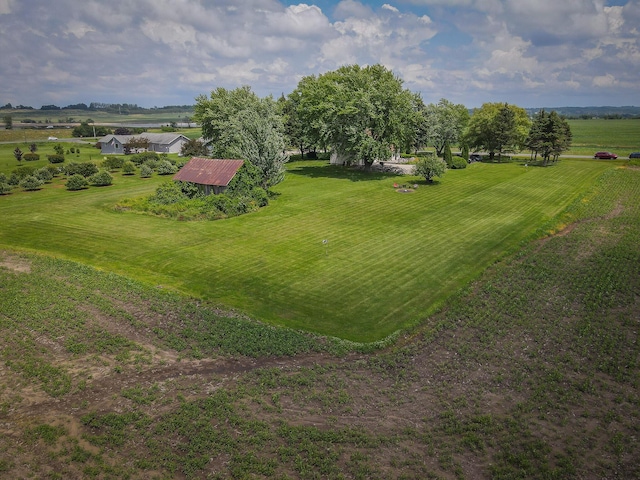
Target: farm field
{"x": 529, "y": 372}
{"x": 98, "y": 116}
{"x": 619, "y": 136}
{"x": 338, "y": 252}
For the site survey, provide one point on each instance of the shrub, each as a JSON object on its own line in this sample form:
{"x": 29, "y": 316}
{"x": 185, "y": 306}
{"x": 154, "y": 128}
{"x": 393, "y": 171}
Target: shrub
{"x": 53, "y": 169}
{"x": 165, "y": 167}
{"x": 169, "y": 193}
{"x": 446, "y": 156}
{"x": 55, "y": 158}
{"x": 151, "y": 163}
{"x": 101, "y": 179}
{"x": 44, "y": 174}
{"x": 113, "y": 163}
{"x": 146, "y": 171}
{"x": 191, "y": 190}
{"x": 128, "y": 168}
{"x": 30, "y": 157}
{"x": 31, "y": 183}
{"x": 194, "y": 148}
{"x": 20, "y": 173}
{"x": 59, "y": 149}
{"x": 85, "y": 169}
{"x": 465, "y": 152}
{"x": 4, "y": 184}
{"x": 143, "y": 157}
{"x": 76, "y": 182}
{"x": 458, "y": 163}
{"x": 429, "y": 167}
{"x": 5, "y": 188}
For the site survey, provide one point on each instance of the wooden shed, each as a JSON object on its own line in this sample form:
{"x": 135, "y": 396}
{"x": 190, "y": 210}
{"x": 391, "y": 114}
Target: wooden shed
{"x": 211, "y": 175}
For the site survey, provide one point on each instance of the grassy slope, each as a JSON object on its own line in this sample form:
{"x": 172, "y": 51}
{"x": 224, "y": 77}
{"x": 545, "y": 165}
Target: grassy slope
{"x": 531, "y": 373}
{"x": 390, "y": 258}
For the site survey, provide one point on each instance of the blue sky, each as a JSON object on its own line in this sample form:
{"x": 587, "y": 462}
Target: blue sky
{"x": 532, "y": 53}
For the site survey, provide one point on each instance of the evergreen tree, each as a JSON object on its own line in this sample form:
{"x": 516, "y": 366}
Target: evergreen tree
{"x": 549, "y": 136}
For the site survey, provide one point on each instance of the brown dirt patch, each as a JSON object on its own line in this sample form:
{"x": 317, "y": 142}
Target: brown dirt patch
{"x": 15, "y": 263}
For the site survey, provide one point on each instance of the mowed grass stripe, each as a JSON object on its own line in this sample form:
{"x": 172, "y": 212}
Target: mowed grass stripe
{"x": 389, "y": 260}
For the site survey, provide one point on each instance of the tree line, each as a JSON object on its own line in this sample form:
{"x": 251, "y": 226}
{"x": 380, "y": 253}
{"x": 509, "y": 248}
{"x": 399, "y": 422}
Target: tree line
{"x": 364, "y": 114}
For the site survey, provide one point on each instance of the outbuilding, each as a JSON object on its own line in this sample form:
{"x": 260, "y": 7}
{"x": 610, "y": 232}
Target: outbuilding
{"x": 211, "y": 175}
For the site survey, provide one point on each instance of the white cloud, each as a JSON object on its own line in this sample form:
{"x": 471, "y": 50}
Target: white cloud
{"x": 5, "y": 6}
{"x": 607, "y": 80}
{"x": 472, "y": 50}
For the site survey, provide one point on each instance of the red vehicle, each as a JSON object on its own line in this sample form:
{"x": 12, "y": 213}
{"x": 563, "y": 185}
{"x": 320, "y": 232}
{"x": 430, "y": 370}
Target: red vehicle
{"x": 605, "y": 155}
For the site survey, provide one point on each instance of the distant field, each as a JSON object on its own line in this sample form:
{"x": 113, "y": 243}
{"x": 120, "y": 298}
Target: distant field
{"x": 619, "y": 136}
{"x": 389, "y": 258}
{"x": 64, "y": 116}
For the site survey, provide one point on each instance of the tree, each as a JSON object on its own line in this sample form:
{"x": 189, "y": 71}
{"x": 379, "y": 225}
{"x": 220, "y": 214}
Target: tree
{"x": 8, "y": 122}
{"x": 239, "y": 124}
{"x": 86, "y": 130}
{"x": 194, "y": 148}
{"x": 262, "y": 144}
{"x": 17, "y": 153}
{"x": 465, "y": 152}
{"x": 59, "y": 149}
{"x": 446, "y": 156}
{"x": 443, "y": 123}
{"x": 294, "y": 128}
{"x": 429, "y": 167}
{"x": 497, "y": 127}
{"x": 135, "y": 144}
{"x": 363, "y": 114}
{"x": 33, "y": 148}
{"x": 549, "y": 136}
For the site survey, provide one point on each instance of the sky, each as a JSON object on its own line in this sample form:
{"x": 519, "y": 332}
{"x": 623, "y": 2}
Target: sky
{"x": 531, "y": 53}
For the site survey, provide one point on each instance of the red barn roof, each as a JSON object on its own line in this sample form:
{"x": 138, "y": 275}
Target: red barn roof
{"x": 207, "y": 171}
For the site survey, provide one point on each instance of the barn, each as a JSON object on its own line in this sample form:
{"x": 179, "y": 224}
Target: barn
{"x": 211, "y": 175}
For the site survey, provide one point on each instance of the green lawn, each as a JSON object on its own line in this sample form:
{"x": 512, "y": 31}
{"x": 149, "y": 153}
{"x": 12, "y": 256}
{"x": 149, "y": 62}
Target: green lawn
{"x": 390, "y": 258}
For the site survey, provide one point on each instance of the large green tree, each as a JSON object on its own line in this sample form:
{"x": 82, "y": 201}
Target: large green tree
{"x": 549, "y": 136}
{"x": 362, "y": 113}
{"x": 239, "y": 124}
{"x": 443, "y": 123}
{"x": 497, "y": 128}
{"x": 295, "y": 130}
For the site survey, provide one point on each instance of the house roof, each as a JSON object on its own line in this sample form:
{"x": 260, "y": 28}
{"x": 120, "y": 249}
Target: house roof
{"x": 157, "y": 138}
{"x": 207, "y": 171}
